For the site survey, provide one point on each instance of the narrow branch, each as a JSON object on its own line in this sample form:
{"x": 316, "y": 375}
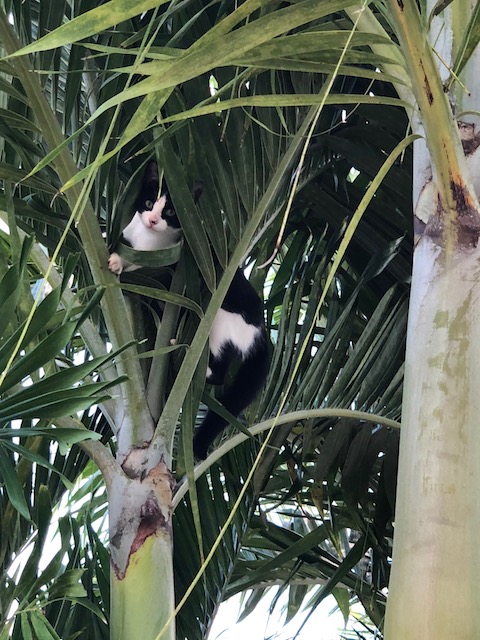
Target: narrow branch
{"x": 97, "y": 451}
{"x": 448, "y": 162}
{"x": 113, "y": 303}
{"x": 87, "y": 329}
{"x": 266, "y": 425}
{"x": 368, "y": 23}
{"x": 157, "y": 378}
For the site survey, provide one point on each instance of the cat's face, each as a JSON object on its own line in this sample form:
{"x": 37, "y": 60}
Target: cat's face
{"x": 156, "y": 209}
{"x": 158, "y": 214}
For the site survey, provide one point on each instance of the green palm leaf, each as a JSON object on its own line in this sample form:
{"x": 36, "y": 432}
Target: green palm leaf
{"x": 268, "y": 63}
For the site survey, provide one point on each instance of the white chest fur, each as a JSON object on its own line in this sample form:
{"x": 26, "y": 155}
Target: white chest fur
{"x": 144, "y": 238}
{"x": 231, "y": 327}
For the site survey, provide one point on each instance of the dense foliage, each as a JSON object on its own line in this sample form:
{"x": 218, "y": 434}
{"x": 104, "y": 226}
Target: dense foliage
{"x": 227, "y": 112}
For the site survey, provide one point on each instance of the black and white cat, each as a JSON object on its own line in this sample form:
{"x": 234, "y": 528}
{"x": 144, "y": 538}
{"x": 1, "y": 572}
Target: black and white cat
{"x": 238, "y": 331}
{"x": 155, "y": 224}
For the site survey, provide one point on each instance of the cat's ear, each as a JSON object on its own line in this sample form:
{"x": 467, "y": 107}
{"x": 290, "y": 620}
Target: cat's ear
{"x": 197, "y": 190}
{"x": 151, "y": 172}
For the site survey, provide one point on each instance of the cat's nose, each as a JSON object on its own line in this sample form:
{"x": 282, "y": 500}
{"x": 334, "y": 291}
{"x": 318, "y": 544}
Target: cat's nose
{"x": 152, "y": 221}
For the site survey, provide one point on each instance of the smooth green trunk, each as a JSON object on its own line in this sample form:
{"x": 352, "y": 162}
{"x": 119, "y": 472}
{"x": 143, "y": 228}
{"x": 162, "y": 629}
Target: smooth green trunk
{"x": 144, "y": 598}
{"x": 142, "y": 585}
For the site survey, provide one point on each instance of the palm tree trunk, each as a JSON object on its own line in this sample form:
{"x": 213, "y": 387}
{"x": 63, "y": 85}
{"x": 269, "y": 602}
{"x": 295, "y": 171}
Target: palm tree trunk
{"x": 436, "y": 556}
{"x": 142, "y": 592}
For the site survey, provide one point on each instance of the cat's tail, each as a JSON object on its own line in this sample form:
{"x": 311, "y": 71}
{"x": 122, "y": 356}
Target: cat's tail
{"x": 245, "y": 387}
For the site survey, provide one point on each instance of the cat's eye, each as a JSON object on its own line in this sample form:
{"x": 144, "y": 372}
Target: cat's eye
{"x": 148, "y": 205}
{"x": 169, "y": 212}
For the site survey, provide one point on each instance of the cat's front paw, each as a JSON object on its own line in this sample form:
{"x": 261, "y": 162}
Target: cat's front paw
{"x": 115, "y": 264}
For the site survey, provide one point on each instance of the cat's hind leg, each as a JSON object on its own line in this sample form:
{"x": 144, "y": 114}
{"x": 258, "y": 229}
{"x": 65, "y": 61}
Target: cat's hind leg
{"x": 217, "y": 367}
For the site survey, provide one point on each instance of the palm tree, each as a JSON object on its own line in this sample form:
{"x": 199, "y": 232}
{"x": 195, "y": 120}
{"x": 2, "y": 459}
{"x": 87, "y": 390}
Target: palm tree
{"x": 250, "y": 99}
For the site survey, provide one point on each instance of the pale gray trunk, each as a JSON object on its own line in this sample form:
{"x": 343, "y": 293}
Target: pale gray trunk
{"x": 436, "y": 559}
